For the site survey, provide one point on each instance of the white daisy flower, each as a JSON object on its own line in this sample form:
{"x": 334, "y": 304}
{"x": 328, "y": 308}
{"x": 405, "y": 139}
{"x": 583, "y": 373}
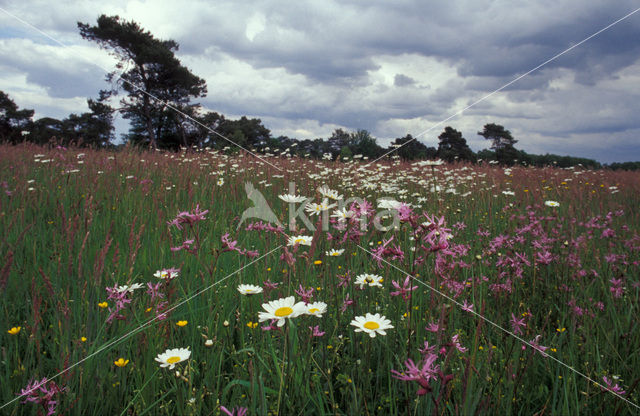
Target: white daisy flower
{"x": 220, "y": 181}
{"x": 316, "y": 309}
{"x": 166, "y": 274}
{"x": 171, "y": 357}
{"x": 249, "y": 289}
{"x": 436, "y": 162}
{"x": 303, "y": 240}
{"x": 552, "y": 203}
{"x": 342, "y": 214}
{"x": 388, "y": 204}
{"x": 282, "y": 309}
{"x": 334, "y": 253}
{"x": 372, "y": 324}
{"x": 369, "y": 279}
{"x": 129, "y": 288}
{"x": 315, "y": 209}
{"x": 292, "y": 199}
{"x": 329, "y": 193}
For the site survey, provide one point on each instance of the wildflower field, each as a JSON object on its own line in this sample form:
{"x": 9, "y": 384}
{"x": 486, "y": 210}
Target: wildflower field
{"x": 133, "y": 284}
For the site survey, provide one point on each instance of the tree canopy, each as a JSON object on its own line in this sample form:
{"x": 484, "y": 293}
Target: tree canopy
{"x": 13, "y": 121}
{"x": 499, "y": 136}
{"x": 453, "y": 146}
{"x": 412, "y": 149}
{"x": 502, "y": 143}
{"x": 153, "y": 80}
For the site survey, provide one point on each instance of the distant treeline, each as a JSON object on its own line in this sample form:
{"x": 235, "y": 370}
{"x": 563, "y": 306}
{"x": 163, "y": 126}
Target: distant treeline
{"x": 624, "y": 166}
{"x": 94, "y": 129}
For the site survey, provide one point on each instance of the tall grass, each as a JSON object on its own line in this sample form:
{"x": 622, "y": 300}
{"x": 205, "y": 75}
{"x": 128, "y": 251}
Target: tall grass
{"x": 77, "y": 221}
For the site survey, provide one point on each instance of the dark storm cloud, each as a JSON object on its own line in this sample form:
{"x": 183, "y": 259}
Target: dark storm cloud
{"x": 68, "y": 84}
{"x": 401, "y": 80}
{"x": 62, "y": 75}
{"x": 331, "y": 42}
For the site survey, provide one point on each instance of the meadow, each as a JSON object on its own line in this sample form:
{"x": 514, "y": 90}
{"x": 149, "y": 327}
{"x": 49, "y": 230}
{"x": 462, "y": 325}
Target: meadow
{"x": 495, "y": 291}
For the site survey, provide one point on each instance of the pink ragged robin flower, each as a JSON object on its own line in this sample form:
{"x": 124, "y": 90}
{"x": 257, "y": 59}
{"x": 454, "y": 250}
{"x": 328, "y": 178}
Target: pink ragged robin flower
{"x": 421, "y": 374}
{"x": 121, "y": 299}
{"x": 517, "y": 324}
{"x": 432, "y": 327}
{"x": 466, "y": 307}
{"x": 154, "y": 291}
{"x": 540, "y": 348}
{"x": 186, "y": 245}
{"x": 456, "y": 343}
{"x": 404, "y": 290}
{"x": 306, "y": 295}
{"x": 614, "y": 388}
{"x": 347, "y": 302}
{"x": 189, "y": 218}
{"x": 385, "y": 250}
{"x": 316, "y": 332}
{"x": 42, "y": 392}
{"x": 237, "y": 411}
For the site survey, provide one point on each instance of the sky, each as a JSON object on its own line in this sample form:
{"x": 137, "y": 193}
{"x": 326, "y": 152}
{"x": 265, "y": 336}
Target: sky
{"x": 393, "y": 68}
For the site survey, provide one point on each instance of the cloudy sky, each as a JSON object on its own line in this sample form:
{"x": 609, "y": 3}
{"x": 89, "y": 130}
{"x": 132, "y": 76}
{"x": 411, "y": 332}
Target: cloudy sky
{"x": 391, "y": 67}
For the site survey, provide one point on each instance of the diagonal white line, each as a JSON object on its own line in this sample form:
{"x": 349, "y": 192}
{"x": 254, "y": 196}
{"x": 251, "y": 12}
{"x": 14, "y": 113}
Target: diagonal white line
{"x": 147, "y": 323}
{"x": 508, "y": 83}
{"x": 450, "y": 299}
{"x": 188, "y": 117}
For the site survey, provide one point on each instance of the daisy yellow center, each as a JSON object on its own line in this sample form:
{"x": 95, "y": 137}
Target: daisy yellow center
{"x": 371, "y": 325}
{"x": 314, "y": 310}
{"x": 299, "y": 240}
{"x": 284, "y": 311}
{"x": 173, "y": 360}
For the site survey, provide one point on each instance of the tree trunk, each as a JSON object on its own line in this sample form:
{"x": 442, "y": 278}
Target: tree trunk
{"x": 184, "y": 137}
{"x": 147, "y": 113}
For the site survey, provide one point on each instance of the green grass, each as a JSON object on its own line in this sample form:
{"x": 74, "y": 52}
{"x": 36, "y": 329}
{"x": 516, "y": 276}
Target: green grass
{"x": 76, "y": 233}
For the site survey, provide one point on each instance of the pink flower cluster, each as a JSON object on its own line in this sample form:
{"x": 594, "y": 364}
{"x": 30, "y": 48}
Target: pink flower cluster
{"x": 188, "y": 218}
{"x": 121, "y": 299}
{"x": 42, "y": 392}
{"x": 154, "y": 290}
{"x": 232, "y": 245}
{"x": 385, "y": 250}
{"x": 261, "y": 226}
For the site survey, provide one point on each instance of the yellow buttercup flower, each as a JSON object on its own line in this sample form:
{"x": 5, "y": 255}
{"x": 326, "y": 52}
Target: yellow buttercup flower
{"x": 121, "y": 362}
{"x": 103, "y": 304}
{"x": 14, "y": 330}
{"x": 182, "y": 323}
{"x": 83, "y": 339}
